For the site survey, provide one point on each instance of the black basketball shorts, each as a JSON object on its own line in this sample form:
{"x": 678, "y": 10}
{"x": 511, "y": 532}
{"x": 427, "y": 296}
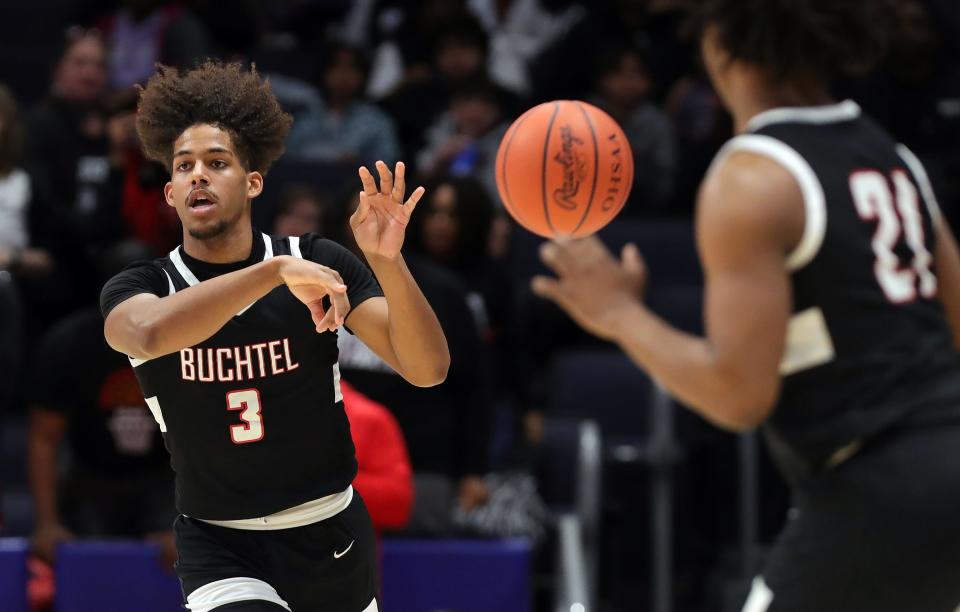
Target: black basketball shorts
{"x": 330, "y": 565}
{"x": 878, "y": 533}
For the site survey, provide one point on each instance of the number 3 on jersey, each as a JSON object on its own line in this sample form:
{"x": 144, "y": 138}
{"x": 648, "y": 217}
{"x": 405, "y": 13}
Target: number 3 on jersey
{"x": 247, "y": 401}
{"x": 875, "y": 201}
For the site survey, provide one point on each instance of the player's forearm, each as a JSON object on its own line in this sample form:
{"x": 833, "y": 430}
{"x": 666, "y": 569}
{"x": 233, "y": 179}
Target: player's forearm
{"x": 415, "y": 334}
{"x": 42, "y": 473}
{"x": 190, "y": 316}
{"x": 691, "y": 371}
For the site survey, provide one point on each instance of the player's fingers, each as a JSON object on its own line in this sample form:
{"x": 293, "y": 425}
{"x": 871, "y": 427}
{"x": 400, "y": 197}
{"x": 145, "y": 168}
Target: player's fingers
{"x": 327, "y": 322}
{"x": 386, "y": 178}
{"x": 340, "y": 305}
{"x": 631, "y": 260}
{"x": 369, "y": 183}
{"x": 334, "y": 274}
{"x": 363, "y": 209}
{"x": 317, "y": 312}
{"x": 554, "y": 254}
{"x": 399, "y": 181}
{"x": 547, "y": 288}
{"x": 412, "y": 200}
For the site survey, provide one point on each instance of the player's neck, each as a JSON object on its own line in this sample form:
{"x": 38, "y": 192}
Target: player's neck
{"x": 760, "y": 99}
{"x": 233, "y": 245}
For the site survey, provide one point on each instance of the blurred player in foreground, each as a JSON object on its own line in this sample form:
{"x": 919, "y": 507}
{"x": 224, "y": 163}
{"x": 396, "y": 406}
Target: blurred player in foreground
{"x": 233, "y": 340}
{"x": 832, "y": 314}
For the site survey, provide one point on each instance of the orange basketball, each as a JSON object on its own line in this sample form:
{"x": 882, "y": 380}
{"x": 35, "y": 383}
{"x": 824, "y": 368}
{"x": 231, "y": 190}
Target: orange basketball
{"x": 564, "y": 168}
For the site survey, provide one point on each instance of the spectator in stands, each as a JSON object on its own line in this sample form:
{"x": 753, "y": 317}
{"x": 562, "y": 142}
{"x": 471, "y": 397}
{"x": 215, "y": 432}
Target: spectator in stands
{"x": 9, "y": 339}
{"x": 134, "y": 34}
{"x": 135, "y": 182}
{"x": 343, "y": 127}
{"x": 17, "y": 194}
{"x": 623, "y": 89}
{"x": 464, "y": 140}
{"x": 86, "y": 394}
{"x": 446, "y": 426}
{"x": 301, "y": 210}
{"x": 67, "y": 152}
{"x": 453, "y": 227}
{"x": 458, "y": 54}
{"x": 384, "y": 477}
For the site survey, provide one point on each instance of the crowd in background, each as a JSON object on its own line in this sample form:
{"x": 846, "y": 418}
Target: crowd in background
{"x": 434, "y": 83}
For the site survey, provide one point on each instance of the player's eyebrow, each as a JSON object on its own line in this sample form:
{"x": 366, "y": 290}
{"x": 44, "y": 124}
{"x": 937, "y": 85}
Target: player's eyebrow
{"x": 210, "y": 150}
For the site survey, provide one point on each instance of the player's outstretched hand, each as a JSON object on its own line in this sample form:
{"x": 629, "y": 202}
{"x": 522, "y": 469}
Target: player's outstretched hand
{"x": 591, "y": 286}
{"x": 310, "y": 282}
{"x": 380, "y": 222}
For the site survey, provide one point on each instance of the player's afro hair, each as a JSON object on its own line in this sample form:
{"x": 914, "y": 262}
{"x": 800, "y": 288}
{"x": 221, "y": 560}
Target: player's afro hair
{"x": 225, "y": 95}
{"x": 800, "y": 39}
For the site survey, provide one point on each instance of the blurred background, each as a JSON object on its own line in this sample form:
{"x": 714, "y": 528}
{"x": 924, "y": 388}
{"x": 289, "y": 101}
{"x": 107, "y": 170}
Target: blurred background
{"x": 547, "y": 472}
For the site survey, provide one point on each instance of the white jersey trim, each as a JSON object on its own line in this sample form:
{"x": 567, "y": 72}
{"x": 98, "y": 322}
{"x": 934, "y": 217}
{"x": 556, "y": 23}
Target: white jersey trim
{"x": 191, "y": 278}
{"x": 295, "y": 247}
{"x": 231, "y": 590}
{"x": 814, "y": 201}
{"x": 170, "y": 288}
{"x": 182, "y": 268}
{"x": 154, "y": 405}
{"x": 926, "y": 189}
{"x": 307, "y": 513}
{"x": 760, "y": 597}
{"x": 827, "y": 113}
{"x": 808, "y": 342}
{"x": 337, "y": 390}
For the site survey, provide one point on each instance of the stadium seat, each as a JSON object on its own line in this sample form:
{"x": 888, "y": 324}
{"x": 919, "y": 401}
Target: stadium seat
{"x": 667, "y": 246}
{"x": 605, "y": 386}
{"x": 117, "y": 576}
{"x": 570, "y": 482}
{"x": 13, "y": 574}
{"x": 460, "y": 575}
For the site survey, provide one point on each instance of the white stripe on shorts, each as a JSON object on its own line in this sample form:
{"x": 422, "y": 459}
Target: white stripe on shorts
{"x": 231, "y": 590}
{"x": 372, "y": 607}
{"x": 760, "y": 597}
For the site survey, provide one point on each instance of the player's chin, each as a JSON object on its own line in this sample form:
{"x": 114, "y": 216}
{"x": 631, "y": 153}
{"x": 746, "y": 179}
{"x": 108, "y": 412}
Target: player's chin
{"x": 205, "y": 230}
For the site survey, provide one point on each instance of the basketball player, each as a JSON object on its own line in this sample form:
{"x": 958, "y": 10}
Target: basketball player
{"x": 832, "y": 315}
{"x": 233, "y": 340}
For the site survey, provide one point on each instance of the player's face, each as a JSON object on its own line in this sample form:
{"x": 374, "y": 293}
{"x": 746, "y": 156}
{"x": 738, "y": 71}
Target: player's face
{"x": 209, "y": 186}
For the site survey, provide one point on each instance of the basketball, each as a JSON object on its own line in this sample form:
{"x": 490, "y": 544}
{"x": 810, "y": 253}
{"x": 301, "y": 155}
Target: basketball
{"x": 564, "y": 168}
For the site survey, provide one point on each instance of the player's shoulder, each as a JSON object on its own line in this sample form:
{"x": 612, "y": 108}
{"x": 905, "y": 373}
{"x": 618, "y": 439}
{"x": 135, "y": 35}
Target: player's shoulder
{"x": 752, "y": 191}
{"x": 146, "y": 270}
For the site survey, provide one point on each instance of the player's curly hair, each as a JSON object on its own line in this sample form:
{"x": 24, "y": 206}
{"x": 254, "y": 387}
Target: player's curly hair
{"x": 800, "y": 39}
{"x": 236, "y": 100}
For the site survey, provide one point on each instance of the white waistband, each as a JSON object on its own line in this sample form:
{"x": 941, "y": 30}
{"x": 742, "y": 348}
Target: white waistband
{"x": 305, "y": 514}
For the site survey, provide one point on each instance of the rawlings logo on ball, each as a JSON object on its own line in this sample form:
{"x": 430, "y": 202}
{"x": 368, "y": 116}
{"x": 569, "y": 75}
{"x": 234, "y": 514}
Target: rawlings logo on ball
{"x": 574, "y": 169}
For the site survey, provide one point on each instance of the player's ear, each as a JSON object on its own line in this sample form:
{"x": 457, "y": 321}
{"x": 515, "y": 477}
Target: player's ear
{"x": 168, "y": 194}
{"x": 254, "y": 184}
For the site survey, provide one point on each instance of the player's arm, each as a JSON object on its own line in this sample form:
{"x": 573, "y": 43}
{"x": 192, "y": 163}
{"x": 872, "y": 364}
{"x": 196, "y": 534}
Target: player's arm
{"x": 401, "y": 328}
{"x": 146, "y": 326}
{"x": 750, "y": 215}
{"x": 44, "y": 435}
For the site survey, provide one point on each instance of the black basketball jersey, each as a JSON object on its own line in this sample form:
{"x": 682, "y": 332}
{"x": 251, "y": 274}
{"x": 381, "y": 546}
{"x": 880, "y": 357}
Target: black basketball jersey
{"x": 868, "y": 344}
{"x": 253, "y": 416}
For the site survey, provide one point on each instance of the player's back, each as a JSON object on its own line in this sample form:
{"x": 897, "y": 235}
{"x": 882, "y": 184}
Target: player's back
{"x": 868, "y": 344}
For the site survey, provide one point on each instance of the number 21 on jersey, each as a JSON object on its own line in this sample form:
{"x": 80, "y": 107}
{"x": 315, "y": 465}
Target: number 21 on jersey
{"x": 897, "y": 212}
{"x": 247, "y": 401}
